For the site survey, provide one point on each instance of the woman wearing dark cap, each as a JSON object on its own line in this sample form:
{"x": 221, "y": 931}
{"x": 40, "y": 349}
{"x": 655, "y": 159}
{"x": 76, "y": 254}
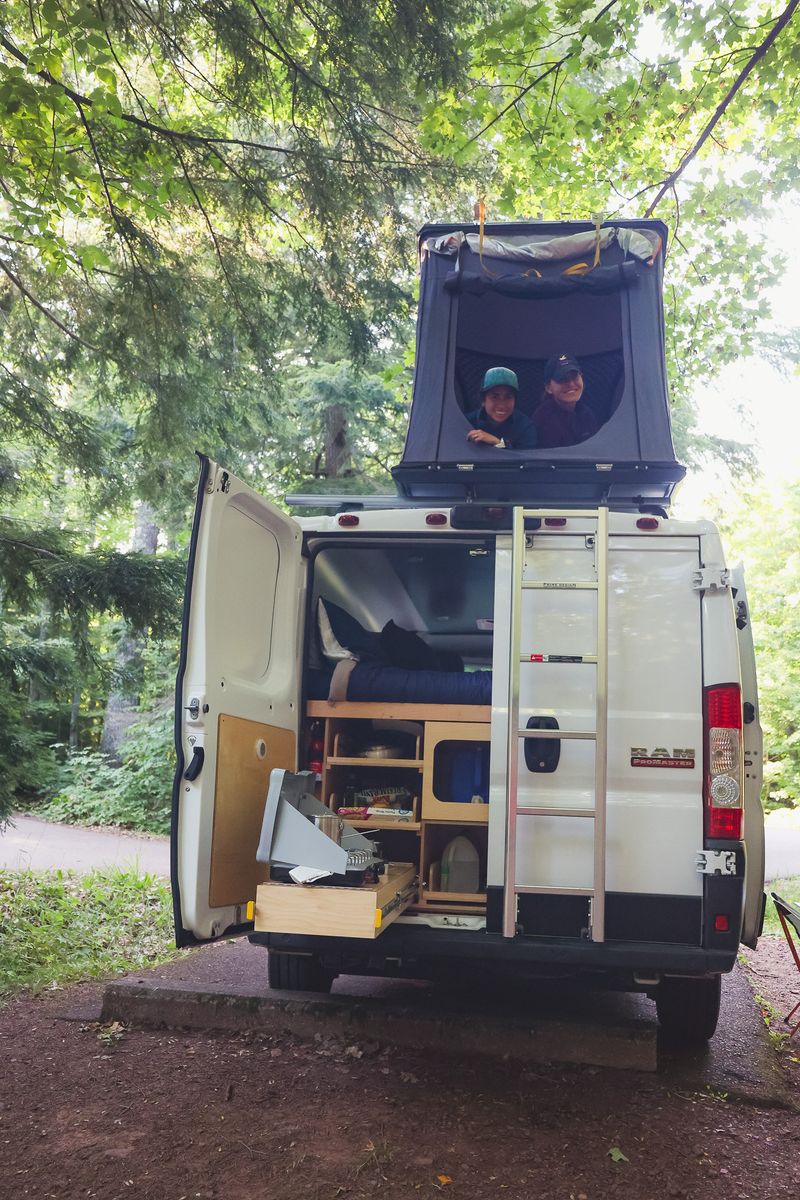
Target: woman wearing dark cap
{"x": 562, "y": 419}
{"x": 497, "y": 423}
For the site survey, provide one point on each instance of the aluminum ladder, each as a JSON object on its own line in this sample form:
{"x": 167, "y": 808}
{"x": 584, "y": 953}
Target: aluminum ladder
{"x": 599, "y": 735}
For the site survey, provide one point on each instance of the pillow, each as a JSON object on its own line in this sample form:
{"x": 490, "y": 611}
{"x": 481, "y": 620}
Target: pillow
{"x": 341, "y": 635}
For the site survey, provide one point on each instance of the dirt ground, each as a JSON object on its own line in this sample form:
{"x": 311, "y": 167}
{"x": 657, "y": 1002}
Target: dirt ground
{"x": 161, "y": 1115}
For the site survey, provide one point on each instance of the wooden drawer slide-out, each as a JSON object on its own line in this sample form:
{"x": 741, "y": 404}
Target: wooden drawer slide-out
{"x": 360, "y": 912}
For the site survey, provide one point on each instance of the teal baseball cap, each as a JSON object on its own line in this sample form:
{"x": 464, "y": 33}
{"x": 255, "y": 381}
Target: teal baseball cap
{"x": 499, "y": 377}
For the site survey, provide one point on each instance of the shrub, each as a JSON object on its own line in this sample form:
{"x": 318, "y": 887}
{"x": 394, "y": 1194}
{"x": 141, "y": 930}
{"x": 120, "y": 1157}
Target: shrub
{"x": 57, "y": 927}
{"x": 136, "y": 795}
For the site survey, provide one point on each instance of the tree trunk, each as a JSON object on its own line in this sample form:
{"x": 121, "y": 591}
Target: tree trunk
{"x": 337, "y": 449}
{"x": 121, "y": 707}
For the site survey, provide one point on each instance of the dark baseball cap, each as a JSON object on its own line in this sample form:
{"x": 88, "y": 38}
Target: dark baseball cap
{"x": 499, "y": 377}
{"x": 560, "y": 366}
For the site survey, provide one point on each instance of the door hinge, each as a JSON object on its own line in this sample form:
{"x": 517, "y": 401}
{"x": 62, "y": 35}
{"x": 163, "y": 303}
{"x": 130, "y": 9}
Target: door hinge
{"x": 711, "y": 579}
{"x": 716, "y": 862}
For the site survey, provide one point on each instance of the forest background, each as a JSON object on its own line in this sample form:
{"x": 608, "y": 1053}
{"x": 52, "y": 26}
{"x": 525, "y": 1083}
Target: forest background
{"x": 207, "y": 220}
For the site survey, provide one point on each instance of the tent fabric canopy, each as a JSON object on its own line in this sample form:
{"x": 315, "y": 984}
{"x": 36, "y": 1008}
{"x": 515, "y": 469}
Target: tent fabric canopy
{"x": 644, "y": 244}
{"x": 602, "y": 279}
{"x": 484, "y": 303}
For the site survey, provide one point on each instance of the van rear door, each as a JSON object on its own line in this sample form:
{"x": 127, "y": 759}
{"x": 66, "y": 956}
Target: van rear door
{"x": 655, "y": 720}
{"x": 753, "y": 767}
{"x": 237, "y": 698}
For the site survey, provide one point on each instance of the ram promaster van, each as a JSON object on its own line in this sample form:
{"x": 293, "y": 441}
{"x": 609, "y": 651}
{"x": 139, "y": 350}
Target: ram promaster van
{"x": 506, "y": 719}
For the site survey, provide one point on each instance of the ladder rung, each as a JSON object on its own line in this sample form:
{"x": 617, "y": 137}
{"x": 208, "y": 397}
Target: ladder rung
{"x": 569, "y": 659}
{"x": 555, "y": 812}
{"x": 587, "y": 735}
{"x": 554, "y": 891}
{"x": 561, "y": 585}
{"x": 591, "y": 513}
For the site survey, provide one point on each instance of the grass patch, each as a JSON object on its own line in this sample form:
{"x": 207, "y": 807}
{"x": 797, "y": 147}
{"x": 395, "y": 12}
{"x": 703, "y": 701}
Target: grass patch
{"x": 787, "y": 889}
{"x": 57, "y": 927}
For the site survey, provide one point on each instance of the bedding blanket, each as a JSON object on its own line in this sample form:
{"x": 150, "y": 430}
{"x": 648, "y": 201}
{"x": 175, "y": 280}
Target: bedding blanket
{"x": 369, "y": 681}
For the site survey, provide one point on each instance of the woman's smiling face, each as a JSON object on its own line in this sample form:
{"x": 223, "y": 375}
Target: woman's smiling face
{"x": 499, "y": 403}
{"x": 566, "y": 392}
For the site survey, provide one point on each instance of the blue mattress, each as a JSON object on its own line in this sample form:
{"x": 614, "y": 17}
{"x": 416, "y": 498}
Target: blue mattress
{"x": 372, "y": 682}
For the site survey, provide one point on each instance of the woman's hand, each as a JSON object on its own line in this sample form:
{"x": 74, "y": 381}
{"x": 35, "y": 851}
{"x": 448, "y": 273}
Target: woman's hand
{"x": 480, "y": 435}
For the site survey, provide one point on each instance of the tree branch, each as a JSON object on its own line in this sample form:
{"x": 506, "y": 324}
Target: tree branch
{"x": 690, "y": 154}
{"x": 17, "y": 282}
{"x": 556, "y": 66}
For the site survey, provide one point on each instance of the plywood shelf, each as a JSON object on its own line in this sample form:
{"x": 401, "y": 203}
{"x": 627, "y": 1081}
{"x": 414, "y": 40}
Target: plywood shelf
{"x": 409, "y": 764}
{"x": 387, "y": 711}
{"x": 455, "y": 897}
{"x": 405, "y": 826}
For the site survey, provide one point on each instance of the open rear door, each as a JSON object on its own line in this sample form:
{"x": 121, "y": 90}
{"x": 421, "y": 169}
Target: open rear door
{"x": 237, "y": 698}
{"x": 753, "y": 767}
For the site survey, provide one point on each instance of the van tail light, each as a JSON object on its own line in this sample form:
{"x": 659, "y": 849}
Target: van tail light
{"x": 723, "y": 762}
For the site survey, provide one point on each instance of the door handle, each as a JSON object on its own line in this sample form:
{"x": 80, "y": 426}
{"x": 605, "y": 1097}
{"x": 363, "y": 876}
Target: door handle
{"x": 196, "y": 765}
{"x": 542, "y": 755}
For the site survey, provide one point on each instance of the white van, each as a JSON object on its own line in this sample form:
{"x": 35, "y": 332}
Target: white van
{"x": 589, "y": 760}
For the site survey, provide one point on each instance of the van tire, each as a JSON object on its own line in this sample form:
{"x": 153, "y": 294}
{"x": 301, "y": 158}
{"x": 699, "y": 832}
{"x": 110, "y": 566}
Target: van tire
{"x": 297, "y": 973}
{"x": 688, "y": 1009}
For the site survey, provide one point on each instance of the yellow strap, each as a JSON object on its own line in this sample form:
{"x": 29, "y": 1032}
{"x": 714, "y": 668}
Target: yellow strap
{"x": 580, "y": 268}
{"x": 481, "y": 207}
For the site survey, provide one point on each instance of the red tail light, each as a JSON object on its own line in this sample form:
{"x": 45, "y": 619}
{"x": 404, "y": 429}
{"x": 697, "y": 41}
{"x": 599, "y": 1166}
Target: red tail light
{"x": 723, "y": 762}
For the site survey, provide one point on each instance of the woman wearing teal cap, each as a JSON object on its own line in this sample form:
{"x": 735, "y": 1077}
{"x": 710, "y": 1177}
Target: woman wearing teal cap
{"x": 497, "y": 423}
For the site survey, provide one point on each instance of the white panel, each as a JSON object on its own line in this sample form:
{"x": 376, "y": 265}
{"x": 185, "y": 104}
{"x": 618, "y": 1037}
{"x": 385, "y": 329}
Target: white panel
{"x": 246, "y": 567}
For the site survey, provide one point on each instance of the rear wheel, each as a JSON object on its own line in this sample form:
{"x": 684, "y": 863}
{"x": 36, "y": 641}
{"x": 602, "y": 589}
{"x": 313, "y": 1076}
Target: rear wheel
{"x": 297, "y": 973}
{"x": 688, "y": 1009}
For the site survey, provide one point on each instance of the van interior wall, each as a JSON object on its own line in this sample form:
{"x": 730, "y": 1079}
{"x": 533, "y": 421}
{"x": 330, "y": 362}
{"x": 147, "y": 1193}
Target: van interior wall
{"x": 444, "y": 591}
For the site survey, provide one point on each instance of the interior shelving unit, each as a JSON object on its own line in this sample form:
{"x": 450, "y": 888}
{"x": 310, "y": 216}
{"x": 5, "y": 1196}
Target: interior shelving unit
{"x": 435, "y": 820}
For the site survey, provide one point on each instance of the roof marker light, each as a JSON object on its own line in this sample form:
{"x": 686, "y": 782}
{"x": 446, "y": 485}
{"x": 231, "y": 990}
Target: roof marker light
{"x": 436, "y": 519}
{"x": 554, "y": 522}
{"x": 647, "y": 523}
{"x": 348, "y": 520}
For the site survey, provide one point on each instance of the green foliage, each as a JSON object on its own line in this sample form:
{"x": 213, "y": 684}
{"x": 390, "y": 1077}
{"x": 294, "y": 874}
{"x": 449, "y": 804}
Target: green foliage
{"x": 27, "y": 765}
{"x": 787, "y": 889}
{"x": 135, "y": 795}
{"x": 334, "y": 401}
{"x": 56, "y": 928}
{"x": 41, "y": 562}
{"x": 188, "y": 187}
{"x": 761, "y": 529}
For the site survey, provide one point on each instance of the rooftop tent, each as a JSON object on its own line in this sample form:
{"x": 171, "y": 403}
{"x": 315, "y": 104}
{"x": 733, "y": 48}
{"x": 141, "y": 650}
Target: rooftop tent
{"x": 513, "y": 296}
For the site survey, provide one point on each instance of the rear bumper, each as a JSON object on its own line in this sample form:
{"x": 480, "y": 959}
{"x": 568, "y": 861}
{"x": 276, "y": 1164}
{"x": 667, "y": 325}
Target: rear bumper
{"x": 646, "y": 937}
{"x": 406, "y": 949}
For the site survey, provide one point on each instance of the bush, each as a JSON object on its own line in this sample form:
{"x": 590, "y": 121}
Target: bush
{"x": 136, "y": 795}
{"x": 57, "y": 928}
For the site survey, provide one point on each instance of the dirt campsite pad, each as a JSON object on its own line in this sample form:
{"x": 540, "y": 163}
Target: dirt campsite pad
{"x": 123, "y": 1111}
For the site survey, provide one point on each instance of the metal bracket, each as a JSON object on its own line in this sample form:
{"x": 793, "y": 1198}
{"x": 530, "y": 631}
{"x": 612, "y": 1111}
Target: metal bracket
{"x": 711, "y": 579}
{"x": 716, "y": 862}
